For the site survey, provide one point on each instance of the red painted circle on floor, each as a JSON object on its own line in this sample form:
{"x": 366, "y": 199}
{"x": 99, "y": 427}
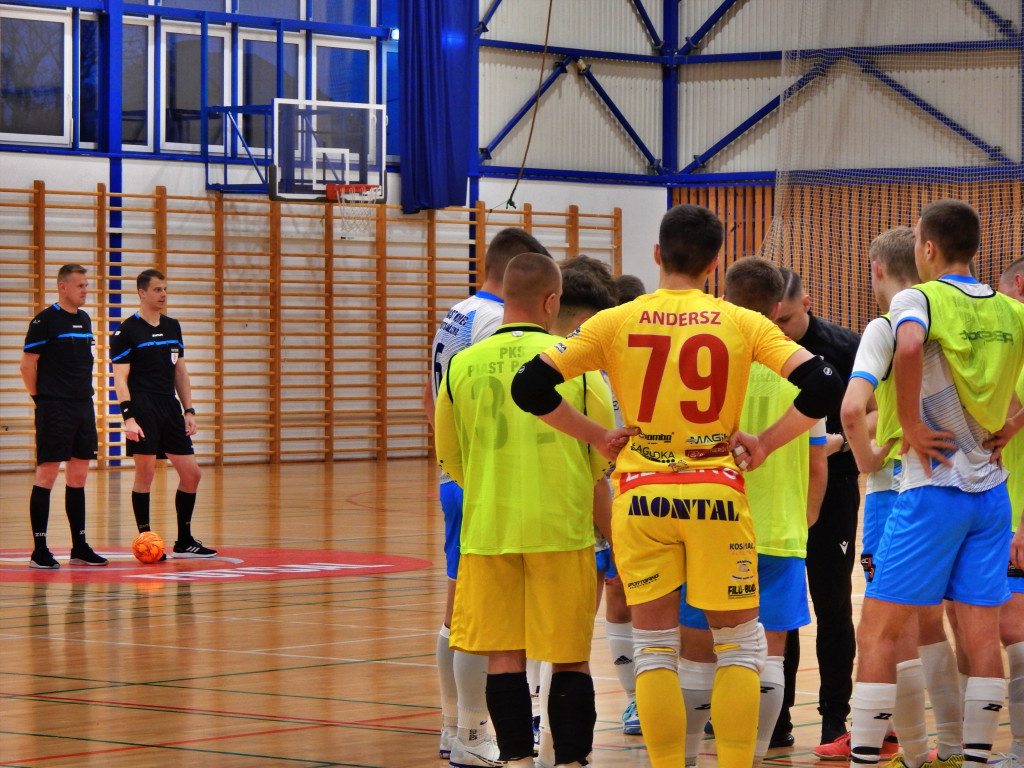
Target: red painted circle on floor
{"x": 232, "y": 564}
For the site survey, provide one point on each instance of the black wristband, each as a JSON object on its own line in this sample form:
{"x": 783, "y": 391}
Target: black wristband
{"x": 189, "y": 410}
{"x": 126, "y": 409}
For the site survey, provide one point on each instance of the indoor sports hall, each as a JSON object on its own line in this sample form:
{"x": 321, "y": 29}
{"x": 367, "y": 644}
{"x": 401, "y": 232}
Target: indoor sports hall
{"x": 319, "y": 180}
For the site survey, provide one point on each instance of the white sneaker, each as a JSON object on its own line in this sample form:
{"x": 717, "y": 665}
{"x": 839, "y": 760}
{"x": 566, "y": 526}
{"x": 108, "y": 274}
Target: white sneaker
{"x": 447, "y": 737}
{"x": 479, "y": 753}
{"x": 1009, "y": 760}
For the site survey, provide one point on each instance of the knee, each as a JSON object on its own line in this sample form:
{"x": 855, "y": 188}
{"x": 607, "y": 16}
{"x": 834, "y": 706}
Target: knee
{"x": 655, "y": 649}
{"x": 741, "y": 646}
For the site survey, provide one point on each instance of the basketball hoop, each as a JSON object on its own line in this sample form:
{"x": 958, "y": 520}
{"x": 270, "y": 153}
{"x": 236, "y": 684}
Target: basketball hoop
{"x": 354, "y": 206}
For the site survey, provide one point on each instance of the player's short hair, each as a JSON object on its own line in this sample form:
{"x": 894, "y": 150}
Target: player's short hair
{"x": 529, "y": 277}
{"x": 754, "y": 283}
{"x": 145, "y": 276}
{"x": 586, "y": 284}
{"x": 689, "y": 239}
{"x": 64, "y": 273}
{"x": 894, "y": 250}
{"x": 792, "y": 284}
{"x": 629, "y": 287}
{"x": 954, "y": 227}
{"x": 506, "y": 245}
{"x": 1015, "y": 268}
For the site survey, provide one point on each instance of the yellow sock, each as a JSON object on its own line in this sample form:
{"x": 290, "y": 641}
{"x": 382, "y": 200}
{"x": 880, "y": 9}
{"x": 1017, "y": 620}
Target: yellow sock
{"x": 659, "y": 700}
{"x": 734, "y": 703}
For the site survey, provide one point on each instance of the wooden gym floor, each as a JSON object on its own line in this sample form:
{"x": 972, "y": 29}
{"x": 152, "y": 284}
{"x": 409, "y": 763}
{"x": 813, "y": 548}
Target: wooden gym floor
{"x": 309, "y": 642}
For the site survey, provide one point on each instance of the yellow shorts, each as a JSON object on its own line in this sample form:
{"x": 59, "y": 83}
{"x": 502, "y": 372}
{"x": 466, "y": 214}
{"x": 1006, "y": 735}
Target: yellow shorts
{"x": 542, "y": 602}
{"x": 698, "y": 533}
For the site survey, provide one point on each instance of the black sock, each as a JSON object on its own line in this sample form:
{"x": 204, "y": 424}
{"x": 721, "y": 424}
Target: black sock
{"x": 74, "y": 503}
{"x": 184, "y": 505}
{"x": 511, "y": 709}
{"x": 140, "y": 506}
{"x": 572, "y": 716}
{"x": 39, "y": 515}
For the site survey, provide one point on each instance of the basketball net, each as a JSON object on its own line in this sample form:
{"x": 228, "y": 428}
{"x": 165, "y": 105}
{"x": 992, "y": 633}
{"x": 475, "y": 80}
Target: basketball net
{"x": 354, "y": 210}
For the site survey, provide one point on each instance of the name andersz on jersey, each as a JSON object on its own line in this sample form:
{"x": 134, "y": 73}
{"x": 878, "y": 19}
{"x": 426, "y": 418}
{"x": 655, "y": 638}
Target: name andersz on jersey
{"x": 704, "y": 317}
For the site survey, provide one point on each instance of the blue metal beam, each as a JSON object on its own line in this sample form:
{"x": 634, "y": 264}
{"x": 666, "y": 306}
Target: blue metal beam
{"x": 621, "y": 118}
{"x": 693, "y": 41}
{"x": 580, "y": 52}
{"x": 670, "y": 88}
{"x": 482, "y": 26}
{"x": 652, "y": 33}
{"x": 1003, "y": 25}
{"x": 699, "y": 161}
{"x": 560, "y": 67}
{"x": 993, "y": 152}
{"x": 863, "y": 50}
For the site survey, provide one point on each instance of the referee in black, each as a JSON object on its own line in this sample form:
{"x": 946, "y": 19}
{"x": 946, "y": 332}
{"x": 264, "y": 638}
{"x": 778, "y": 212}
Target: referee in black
{"x": 148, "y": 357}
{"x": 832, "y": 540}
{"x": 57, "y": 367}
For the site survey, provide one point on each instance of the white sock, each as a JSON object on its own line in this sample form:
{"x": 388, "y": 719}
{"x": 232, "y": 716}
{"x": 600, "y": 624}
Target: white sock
{"x": 471, "y": 682}
{"x": 943, "y": 681}
{"x": 983, "y": 708}
{"x": 546, "y": 747}
{"x": 1015, "y": 655}
{"x": 696, "y": 679}
{"x": 533, "y": 680}
{"x": 446, "y": 678}
{"x": 620, "y": 644}
{"x": 773, "y": 689}
{"x": 908, "y": 717}
{"x": 872, "y": 705}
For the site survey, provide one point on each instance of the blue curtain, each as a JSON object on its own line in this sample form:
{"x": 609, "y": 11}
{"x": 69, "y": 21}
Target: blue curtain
{"x": 435, "y": 101}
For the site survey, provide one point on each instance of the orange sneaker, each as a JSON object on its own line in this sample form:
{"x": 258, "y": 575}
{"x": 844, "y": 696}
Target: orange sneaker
{"x": 840, "y": 748}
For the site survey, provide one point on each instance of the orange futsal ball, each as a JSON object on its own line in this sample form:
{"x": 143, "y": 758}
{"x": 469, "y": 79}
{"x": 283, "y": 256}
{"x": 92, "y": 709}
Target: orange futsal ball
{"x": 148, "y": 547}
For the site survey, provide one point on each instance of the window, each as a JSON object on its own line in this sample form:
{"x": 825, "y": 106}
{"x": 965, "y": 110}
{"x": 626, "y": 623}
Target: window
{"x": 278, "y": 9}
{"x": 35, "y": 79}
{"x": 136, "y": 75}
{"x": 355, "y": 12}
{"x": 259, "y": 84}
{"x": 342, "y": 74}
{"x": 183, "y": 105}
{"x": 195, "y": 5}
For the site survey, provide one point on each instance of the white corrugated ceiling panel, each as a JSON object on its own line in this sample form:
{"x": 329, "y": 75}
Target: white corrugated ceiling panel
{"x": 574, "y": 129}
{"x": 772, "y": 25}
{"x": 604, "y": 25}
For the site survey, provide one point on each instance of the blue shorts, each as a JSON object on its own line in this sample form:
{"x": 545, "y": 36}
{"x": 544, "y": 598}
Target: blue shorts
{"x": 941, "y": 542}
{"x": 606, "y": 563}
{"x": 451, "y": 505}
{"x": 877, "y": 508}
{"x": 783, "y": 584}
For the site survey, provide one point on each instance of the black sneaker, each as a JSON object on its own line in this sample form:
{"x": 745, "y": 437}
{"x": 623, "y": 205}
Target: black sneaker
{"x": 192, "y": 548}
{"x": 44, "y": 560}
{"x": 84, "y": 555}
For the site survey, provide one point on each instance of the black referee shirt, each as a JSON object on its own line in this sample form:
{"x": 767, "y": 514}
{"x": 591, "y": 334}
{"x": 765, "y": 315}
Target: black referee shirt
{"x": 64, "y": 344}
{"x": 152, "y": 352}
{"x": 838, "y": 345}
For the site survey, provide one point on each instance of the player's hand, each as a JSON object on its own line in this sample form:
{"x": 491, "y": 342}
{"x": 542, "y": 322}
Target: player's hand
{"x": 190, "y": 424}
{"x": 879, "y": 454}
{"x": 998, "y": 441}
{"x": 614, "y": 441}
{"x": 132, "y": 430}
{"x": 1017, "y": 548}
{"x": 927, "y": 444}
{"x": 747, "y": 450}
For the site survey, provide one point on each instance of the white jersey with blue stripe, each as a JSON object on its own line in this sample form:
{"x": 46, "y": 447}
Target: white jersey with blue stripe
{"x": 469, "y": 321}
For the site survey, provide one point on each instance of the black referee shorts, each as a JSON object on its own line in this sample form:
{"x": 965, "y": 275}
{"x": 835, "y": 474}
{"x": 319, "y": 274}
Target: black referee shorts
{"x": 163, "y": 423}
{"x": 65, "y": 429}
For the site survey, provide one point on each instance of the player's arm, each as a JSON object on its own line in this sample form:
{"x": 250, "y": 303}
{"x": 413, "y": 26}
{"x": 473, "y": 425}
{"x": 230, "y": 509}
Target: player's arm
{"x": 183, "y": 386}
{"x": 817, "y": 476}
{"x": 447, "y": 448}
{"x": 428, "y": 403}
{"x": 821, "y": 392}
{"x": 908, "y": 370}
{"x": 29, "y": 368}
{"x": 1014, "y": 422}
{"x": 603, "y": 508}
{"x": 132, "y": 430}
{"x": 533, "y": 390}
{"x": 858, "y": 428}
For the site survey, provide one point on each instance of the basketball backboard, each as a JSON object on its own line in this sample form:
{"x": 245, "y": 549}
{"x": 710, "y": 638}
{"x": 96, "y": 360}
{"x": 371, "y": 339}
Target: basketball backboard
{"x": 321, "y": 143}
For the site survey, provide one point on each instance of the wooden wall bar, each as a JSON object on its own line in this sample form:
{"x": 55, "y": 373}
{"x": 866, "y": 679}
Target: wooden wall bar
{"x": 302, "y": 344}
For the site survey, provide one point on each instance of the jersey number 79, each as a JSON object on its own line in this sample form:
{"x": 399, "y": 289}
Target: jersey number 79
{"x": 691, "y": 366}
